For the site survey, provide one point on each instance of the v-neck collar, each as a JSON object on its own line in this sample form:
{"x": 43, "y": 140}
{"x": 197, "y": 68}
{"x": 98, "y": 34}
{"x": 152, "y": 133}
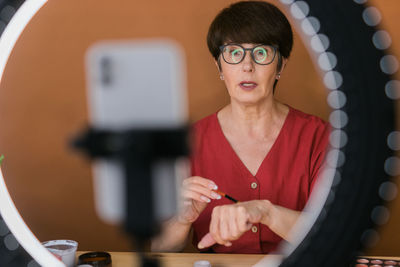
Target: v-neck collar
{"x": 237, "y": 158}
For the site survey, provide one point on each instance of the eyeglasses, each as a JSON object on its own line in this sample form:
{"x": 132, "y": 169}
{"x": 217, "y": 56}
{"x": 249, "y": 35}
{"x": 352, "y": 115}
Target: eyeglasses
{"x": 235, "y": 53}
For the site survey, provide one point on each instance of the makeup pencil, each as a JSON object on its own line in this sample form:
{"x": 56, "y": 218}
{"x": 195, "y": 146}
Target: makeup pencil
{"x": 226, "y": 196}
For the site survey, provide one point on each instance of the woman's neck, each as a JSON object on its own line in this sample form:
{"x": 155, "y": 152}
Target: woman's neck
{"x": 256, "y": 121}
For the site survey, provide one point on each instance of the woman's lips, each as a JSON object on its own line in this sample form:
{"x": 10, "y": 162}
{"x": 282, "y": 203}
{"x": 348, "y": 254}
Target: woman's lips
{"x": 247, "y": 85}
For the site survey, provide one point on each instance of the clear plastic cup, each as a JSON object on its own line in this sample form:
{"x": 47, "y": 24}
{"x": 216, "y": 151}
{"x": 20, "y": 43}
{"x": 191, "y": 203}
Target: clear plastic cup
{"x": 202, "y": 264}
{"x": 64, "y": 250}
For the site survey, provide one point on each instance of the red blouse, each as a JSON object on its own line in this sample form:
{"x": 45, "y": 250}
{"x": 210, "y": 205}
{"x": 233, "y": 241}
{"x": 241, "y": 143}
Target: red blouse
{"x": 285, "y": 177}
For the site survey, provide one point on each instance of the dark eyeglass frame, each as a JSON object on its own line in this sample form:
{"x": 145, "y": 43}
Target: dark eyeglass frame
{"x": 274, "y": 48}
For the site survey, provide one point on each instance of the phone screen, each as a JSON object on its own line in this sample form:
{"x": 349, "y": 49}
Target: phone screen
{"x": 134, "y": 84}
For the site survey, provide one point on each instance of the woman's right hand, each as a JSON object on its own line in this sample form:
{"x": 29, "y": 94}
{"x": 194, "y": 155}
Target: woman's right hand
{"x": 196, "y": 193}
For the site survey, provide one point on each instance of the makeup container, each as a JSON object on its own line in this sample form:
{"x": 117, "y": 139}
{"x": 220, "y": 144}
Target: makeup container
{"x": 95, "y": 259}
{"x": 64, "y": 250}
{"x": 202, "y": 264}
{"x": 375, "y": 262}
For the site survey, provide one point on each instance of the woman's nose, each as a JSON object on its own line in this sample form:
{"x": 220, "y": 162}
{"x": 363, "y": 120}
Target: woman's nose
{"x": 247, "y": 64}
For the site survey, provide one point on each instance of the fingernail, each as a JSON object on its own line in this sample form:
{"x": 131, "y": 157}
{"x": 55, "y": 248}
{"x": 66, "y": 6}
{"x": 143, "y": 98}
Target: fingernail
{"x": 200, "y": 246}
{"x": 213, "y": 186}
{"x": 228, "y": 244}
{"x": 215, "y": 195}
{"x": 205, "y": 199}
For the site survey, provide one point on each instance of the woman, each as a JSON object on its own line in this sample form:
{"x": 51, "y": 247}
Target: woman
{"x": 256, "y": 149}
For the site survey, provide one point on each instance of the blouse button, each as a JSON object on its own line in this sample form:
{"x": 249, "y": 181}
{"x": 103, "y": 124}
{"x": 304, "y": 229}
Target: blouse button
{"x": 254, "y": 185}
{"x": 254, "y": 229}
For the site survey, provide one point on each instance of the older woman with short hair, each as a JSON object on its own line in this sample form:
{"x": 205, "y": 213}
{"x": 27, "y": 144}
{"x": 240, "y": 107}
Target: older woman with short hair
{"x": 264, "y": 153}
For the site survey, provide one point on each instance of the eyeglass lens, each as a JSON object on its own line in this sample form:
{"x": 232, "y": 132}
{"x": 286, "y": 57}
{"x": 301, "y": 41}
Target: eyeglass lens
{"x": 262, "y": 54}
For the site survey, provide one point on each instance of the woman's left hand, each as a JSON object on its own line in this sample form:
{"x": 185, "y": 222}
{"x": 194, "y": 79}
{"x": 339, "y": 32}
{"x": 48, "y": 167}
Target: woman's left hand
{"x": 229, "y": 222}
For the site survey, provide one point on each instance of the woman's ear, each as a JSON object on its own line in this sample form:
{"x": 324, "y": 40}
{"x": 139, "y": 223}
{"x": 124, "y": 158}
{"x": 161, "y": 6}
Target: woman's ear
{"x": 283, "y": 65}
{"x": 283, "y": 62}
{"x": 218, "y": 64}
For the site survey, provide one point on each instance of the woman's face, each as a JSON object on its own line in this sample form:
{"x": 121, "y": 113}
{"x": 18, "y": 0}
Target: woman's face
{"x": 247, "y": 82}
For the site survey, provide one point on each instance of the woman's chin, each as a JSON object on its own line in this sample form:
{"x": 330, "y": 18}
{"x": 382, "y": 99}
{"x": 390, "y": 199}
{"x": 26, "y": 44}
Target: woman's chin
{"x": 249, "y": 101}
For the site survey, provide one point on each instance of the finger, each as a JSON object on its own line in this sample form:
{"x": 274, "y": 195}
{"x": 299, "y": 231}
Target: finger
{"x": 235, "y": 233}
{"x": 224, "y": 228}
{"x": 214, "y": 225}
{"x": 196, "y": 196}
{"x": 206, "y": 241}
{"x": 228, "y": 226}
{"x": 202, "y": 181}
{"x": 200, "y": 189}
{"x": 220, "y": 226}
{"x": 242, "y": 220}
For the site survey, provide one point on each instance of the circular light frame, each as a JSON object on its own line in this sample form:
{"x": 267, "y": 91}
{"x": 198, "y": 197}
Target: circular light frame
{"x": 8, "y": 210}
{"x": 363, "y": 116}
{"x": 362, "y": 119}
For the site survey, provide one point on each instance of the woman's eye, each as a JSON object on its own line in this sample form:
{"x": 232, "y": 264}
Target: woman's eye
{"x": 261, "y": 52}
{"x": 236, "y": 53}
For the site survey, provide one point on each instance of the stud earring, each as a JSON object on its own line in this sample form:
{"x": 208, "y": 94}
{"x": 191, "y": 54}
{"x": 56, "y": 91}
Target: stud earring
{"x": 278, "y": 76}
{"x": 221, "y": 76}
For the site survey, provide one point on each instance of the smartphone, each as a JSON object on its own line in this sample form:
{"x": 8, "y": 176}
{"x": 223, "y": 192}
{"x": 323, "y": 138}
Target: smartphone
{"x": 135, "y": 84}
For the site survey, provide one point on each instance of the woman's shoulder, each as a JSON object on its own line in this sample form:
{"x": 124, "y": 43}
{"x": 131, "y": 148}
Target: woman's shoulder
{"x": 300, "y": 117}
{"x": 306, "y": 125}
{"x": 205, "y": 123}
{"x": 205, "y": 129}
{"x": 311, "y": 130}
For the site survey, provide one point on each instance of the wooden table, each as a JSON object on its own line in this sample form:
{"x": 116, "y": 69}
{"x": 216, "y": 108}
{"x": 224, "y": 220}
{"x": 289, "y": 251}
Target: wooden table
{"x": 131, "y": 259}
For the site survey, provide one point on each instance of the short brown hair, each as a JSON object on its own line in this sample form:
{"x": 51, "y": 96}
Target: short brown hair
{"x": 255, "y": 22}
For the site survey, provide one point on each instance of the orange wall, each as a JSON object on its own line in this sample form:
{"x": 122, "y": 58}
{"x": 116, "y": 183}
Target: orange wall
{"x": 389, "y": 240}
{"x": 43, "y": 101}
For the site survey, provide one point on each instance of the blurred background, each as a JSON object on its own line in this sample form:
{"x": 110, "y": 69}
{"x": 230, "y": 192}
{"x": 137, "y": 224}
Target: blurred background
{"x": 43, "y": 103}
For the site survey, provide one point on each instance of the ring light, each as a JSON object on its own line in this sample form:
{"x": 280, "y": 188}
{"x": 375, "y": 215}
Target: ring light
{"x": 349, "y": 54}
